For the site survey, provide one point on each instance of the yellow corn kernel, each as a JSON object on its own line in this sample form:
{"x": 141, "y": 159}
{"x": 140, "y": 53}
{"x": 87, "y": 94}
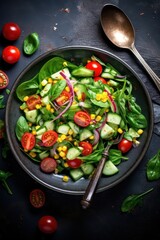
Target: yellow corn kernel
{"x": 104, "y": 100}
{"x": 107, "y": 110}
{"x": 75, "y": 89}
{"x": 70, "y": 132}
{"x": 98, "y": 118}
{"x": 52, "y": 110}
{"x": 75, "y": 143}
{"x": 65, "y": 178}
{"x": 65, "y": 64}
{"x": 79, "y": 96}
{"x": 66, "y": 165}
{"x": 56, "y": 156}
{"x": 59, "y": 149}
{"x": 63, "y": 137}
{"x": 25, "y": 98}
{"x": 25, "y": 150}
{"x": 91, "y": 137}
{"x": 93, "y": 116}
{"x": 44, "y": 82}
{"x": 59, "y": 140}
{"x": 32, "y": 154}
{"x": 54, "y": 81}
{"x": 34, "y": 132}
{"x": 120, "y": 130}
{"x": 21, "y": 107}
{"x": 104, "y": 95}
{"x": 62, "y": 154}
{"x": 70, "y": 139}
{"x": 49, "y": 80}
{"x": 38, "y": 106}
{"x": 140, "y": 131}
{"x": 48, "y": 107}
{"x": 67, "y": 89}
{"x": 30, "y": 124}
{"x": 98, "y": 96}
{"x": 64, "y": 148}
{"x": 37, "y": 127}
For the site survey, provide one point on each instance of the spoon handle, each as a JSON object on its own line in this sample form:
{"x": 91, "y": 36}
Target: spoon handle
{"x": 154, "y": 77}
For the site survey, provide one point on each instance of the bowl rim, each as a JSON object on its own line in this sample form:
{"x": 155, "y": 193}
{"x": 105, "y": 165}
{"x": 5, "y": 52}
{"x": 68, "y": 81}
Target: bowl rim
{"x": 88, "y": 48}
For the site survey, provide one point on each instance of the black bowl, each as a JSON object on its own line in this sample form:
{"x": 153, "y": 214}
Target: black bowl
{"x": 52, "y": 181}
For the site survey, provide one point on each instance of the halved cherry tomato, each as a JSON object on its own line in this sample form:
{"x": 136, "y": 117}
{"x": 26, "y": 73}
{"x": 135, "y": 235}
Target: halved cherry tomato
{"x": 33, "y": 101}
{"x": 125, "y": 145}
{"x": 49, "y": 138}
{"x": 11, "y": 31}
{"x": 95, "y": 66}
{"x": 63, "y": 98}
{"x": 4, "y": 80}
{"x": 48, "y": 165}
{"x": 47, "y": 224}
{"x": 96, "y": 79}
{"x": 75, "y": 163}
{"x": 28, "y": 141}
{"x": 37, "y": 198}
{"x": 87, "y": 148}
{"x": 82, "y": 118}
{"x": 11, "y": 54}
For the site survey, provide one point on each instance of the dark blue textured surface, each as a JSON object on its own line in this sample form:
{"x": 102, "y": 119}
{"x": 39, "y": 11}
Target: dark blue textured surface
{"x": 103, "y": 220}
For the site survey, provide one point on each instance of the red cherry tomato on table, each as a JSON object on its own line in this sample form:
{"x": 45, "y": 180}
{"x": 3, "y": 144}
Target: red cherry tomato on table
{"x": 48, "y": 165}
{"x": 11, "y": 31}
{"x": 28, "y": 141}
{"x": 47, "y": 224}
{"x": 63, "y": 98}
{"x": 49, "y": 138}
{"x": 37, "y": 198}
{"x": 82, "y": 118}
{"x": 33, "y": 101}
{"x": 11, "y": 54}
{"x": 96, "y": 79}
{"x": 95, "y": 66}
{"x": 125, "y": 145}
{"x": 87, "y": 148}
{"x": 75, "y": 163}
{"x": 4, "y": 80}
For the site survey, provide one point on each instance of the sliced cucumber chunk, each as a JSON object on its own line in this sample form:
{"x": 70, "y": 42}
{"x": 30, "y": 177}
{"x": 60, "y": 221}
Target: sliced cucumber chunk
{"x": 49, "y": 125}
{"x": 85, "y": 134}
{"x": 31, "y": 115}
{"x": 45, "y": 90}
{"x": 87, "y": 168}
{"x": 107, "y": 132}
{"x": 113, "y": 118}
{"x": 109, "y": 168}
{"x": 76, "y": 174}
{"x": 64, "y": 128}
{"x": 73, "y": 153}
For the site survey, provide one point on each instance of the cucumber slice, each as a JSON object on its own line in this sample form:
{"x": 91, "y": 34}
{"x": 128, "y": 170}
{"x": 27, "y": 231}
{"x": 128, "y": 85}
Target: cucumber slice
{"x": 73, "y": 153}
{"x": 113, "y": 118}
{"x": 76, "y": 174}
{"x": 82, "y": 72}
{"x": 85, "y": 134}
{"x": 45, "y": 90}
{"x": 107, "y": 132}
{"x": 31, "y": 115}
{"x": 64, "y": 128}
{"x": 57, "y": 75}
{"x": 49, "y": 125}
{"x": 45, "y": 100}
{"x": 74, "y": 127}
{"x": 41, "y": 130}
{"x": 109, "y": 168}
{"x": 87, "y": 168}
{"x": 43, "y": 155}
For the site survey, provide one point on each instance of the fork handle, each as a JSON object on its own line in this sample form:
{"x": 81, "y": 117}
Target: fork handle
{"x": 85, "y": 202}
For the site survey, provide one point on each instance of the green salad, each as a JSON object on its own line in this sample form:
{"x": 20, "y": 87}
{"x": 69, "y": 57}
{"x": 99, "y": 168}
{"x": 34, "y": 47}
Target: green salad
{"x": 70, "y": 112}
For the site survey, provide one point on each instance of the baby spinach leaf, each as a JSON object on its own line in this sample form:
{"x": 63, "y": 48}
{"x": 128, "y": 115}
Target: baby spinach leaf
{"x": 54, "y": 65}
{"x": 31, "y": 43}
{"x": 21, "y": 127}
{"x": 153, "y": 167}
{"x": 27, "y": 88}
{"x": 57, "y": 88}
{"x": 116, "y": 156}
{"x": 136, "y": 120}
{"x": 132, "y": 201}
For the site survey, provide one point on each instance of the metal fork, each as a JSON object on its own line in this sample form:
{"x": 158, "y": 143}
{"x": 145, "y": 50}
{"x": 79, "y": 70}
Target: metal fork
{"x": 87, "y": 197}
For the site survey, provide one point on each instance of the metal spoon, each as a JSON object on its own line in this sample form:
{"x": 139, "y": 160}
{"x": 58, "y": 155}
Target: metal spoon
{"x": 120, "y": 32}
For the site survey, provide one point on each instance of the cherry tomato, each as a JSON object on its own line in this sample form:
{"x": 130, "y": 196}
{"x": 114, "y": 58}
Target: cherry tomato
{"x": 82, "y": 118}
{"x": 48, "y": 165}
{"x": 11, "y": 54}
{"x": 28, "y": 141}
{"x": 95, "y": 66}
{"x": 49, "y": 138}
{"x": 4, "y": 80}
{"x": 47, "y": 224}
{"x": 11, "y": 31}
{"x": 37, "y": 198}
{"x": 87, "y": 148}
{"x": 63, "y": 98}
{"x": 75, "y": 163}
{"x": 125, "y": 145}
{"x": 33, "y": 101}
{"x": 100, "y": 79}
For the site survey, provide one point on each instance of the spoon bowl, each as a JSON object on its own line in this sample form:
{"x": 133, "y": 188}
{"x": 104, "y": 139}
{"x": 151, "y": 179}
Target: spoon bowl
{"x": 120, "y": 31}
